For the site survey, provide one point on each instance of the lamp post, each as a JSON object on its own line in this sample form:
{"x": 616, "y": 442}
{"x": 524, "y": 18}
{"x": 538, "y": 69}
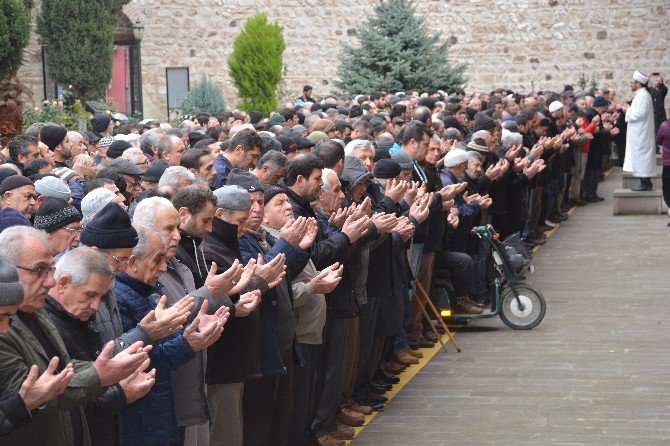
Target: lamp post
{"x": 138, "y": 32}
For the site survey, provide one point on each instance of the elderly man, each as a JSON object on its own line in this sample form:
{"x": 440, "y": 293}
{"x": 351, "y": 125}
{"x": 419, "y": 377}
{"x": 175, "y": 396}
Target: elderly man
{"x": 640, "y": 157}
{"x": 270, "y": 168}
{"x": 62, "y": 223}
{"x": 363, "y": 150}
{"x": 22, "y": 407}
{"x": 32, "y": 339}
{"x": 18, "y": 193}
{"x": 239, "y": 347}
{"x": 136, "y": 156}
{"x": 242, "y": 153}
{"x": 131, "y": 174}
{"x": 309, "y": 307}
{"x": 268, "y": 401}
{"x": 171, "y": 149}
{"x": 83, "y": 278}
{"x": 135, "y": 292}
{"x": 77, "y": 145}
{"x": 177, "y": 177}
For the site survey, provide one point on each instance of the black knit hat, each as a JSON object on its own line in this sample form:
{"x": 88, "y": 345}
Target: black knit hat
{"x": 484, "y": 122}
{"x": 270, "y": 191}
{"x": 52, "y": 135}
{"x": 109, "y": 229}
{"x": 244, "y": 179}
{"x": 116, "y": 148}
{"x": 55, "y": 213}
{"x": 6, "y": 173}
{"x": 386, "y": 169}
{"x": 11, "y": 288}
{"x": 99, "y": 123}
{"x": 14, "y": 182}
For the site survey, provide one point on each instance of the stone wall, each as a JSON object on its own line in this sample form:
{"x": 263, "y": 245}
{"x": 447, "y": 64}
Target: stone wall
{"x": 525, "y": 45}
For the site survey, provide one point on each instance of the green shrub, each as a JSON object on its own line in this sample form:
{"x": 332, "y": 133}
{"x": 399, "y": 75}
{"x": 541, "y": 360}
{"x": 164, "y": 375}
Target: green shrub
{"x": 256, "y": 63}
{"x": 205, "y": 96}
{"x": 15, "y": 25}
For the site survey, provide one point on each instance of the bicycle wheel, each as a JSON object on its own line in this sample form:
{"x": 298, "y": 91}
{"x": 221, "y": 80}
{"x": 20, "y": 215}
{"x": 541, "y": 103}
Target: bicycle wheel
{"x": 525, "y": 316}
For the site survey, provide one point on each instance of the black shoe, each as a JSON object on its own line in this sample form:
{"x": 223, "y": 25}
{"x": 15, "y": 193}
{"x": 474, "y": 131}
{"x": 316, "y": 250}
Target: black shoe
{"x": 381, "y": 384}
{"x": 385, "y": 377}
{"x": 378, "y": 390}
{"x": 413, "y": 345}
{"x": 425, "y": 343}
{"x": 374, "y": 406}
{"x": 641, "y": 188}
{"x": 601, "y": 198}
{"x": 374, "y": 398}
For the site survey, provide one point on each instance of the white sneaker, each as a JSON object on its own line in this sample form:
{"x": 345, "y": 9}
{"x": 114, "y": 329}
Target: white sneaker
{"x": 551, "y": 224}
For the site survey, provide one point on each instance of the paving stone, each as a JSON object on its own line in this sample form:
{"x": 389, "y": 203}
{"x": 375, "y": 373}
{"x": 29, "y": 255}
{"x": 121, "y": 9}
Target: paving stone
{"x": 594, "y": 372}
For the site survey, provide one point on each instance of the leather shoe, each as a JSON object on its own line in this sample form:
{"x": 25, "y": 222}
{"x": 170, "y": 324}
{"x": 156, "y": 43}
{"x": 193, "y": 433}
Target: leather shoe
{"x": 375, "y": 406}
{"x": 425, "y": 343}
{"x": 465, "y": 307}
{"x": 430, "y": 336}
{"x": 413, "y": 345}
{"x": 327, "y": 440}
{"x": 376, "y": 389}
{"x": 393, "y": 368}
{"x": 581, "y": 202}
{"x": 599, "y": 198}
{"x": 350, "y": 420}
{"x": 381, "y": 384}
{"x": 416, "y": 354}
{"x": 482, "y": 306}
{"x": 374, "y": 398}
{"x": 404, "y": 359}
{"x": 640, "y": 188}
{"x": 391, "y": 379}
{"x": 343, "y": 432}
{"x": 365, "y": 410}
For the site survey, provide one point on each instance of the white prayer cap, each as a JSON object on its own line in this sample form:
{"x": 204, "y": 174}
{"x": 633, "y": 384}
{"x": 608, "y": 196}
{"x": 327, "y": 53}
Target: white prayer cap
{"x": 555, "y": 106}
{"x": 641, "y": 78}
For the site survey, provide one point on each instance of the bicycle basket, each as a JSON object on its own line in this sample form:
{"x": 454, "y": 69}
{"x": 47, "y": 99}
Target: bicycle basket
{"x": 516, "y": 253}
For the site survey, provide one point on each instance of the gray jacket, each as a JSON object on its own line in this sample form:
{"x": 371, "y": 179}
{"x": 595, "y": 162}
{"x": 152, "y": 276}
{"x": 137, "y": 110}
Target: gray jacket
{"x": 190, "y": 391}
{"x": 309, "y": 308}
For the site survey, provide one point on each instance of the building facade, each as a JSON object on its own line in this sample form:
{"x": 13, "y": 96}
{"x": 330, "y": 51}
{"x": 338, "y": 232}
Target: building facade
{"x": 525, "y": 45}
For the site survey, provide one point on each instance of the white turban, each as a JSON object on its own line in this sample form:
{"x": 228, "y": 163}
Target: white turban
{"x": 555, "y": 106}
{"x": 454, "y": 157}
{"x": 641, "y": 78}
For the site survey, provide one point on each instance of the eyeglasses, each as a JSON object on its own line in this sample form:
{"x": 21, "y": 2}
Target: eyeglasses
{"x": 119, "y": 261}
{"x": 74, "y": 231}
{"x": 41, "y": 272}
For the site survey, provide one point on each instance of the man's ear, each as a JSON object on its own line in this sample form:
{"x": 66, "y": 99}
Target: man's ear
{"x": 184, "y": 215}
{"x": 218, "y": 213}
{"x": 62, "y": 282}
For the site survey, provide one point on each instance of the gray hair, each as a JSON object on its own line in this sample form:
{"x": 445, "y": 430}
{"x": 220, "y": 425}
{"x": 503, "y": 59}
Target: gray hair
{"x": 79, "y": 263}
{"x": 146, "y": 210}
{"x": 132, "y": 154}
{"x": 475, "y": 154}
{"x": 452, "y": 133}
{"x": 173, "y": 175}
{"x": 358, "y": 144}
{"x": 510, "y": 139}
{"x": 143, "y": 249}
{"x": 150, "y": 139}
{"x": 273, "y": 159}
{"x": 481, "y": 134}
{"x": 325, "y": 176}
{"x": 12, "y": 240}
{"x": 72, "y": 136}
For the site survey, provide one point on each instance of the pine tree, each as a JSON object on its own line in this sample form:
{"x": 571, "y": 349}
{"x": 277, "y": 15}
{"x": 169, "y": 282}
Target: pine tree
{"x": 396, "y": 52}
{"x": 205, "y": 96}
{"x": 256, "y": 63}
{"x": 78, "y": 41}
{"x": 15, "y": 25}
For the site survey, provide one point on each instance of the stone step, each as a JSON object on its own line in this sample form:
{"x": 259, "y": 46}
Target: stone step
{"x": 630, "y": 181}
{"x": 627, "y": 202}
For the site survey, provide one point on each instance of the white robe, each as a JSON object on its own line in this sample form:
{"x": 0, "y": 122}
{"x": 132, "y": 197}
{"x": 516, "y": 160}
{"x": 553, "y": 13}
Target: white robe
{"x": 640, "y": 138}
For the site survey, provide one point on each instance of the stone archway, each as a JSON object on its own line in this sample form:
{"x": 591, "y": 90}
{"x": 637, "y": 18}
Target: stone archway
{"x": 126, "y": 83}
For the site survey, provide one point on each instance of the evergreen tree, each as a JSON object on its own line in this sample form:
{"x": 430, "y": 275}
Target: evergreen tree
{"x": 396, "y": 52}
{"x": 256, "y": 63}
{"x": 78, "y": 41}
{"x": 205, "y": 96}
{"x": 15, "y": 25}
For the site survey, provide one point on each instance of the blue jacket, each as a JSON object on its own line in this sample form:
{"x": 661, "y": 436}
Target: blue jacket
{"x": 152, "y": 420}
{"x": 296, "y": 260}
{"x": 222, "y": 167}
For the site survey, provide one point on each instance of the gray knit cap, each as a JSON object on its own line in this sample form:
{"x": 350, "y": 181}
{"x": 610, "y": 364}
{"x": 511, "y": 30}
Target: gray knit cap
{"x": 94, "y": 201}
{"x": 232, "y": 197}
{"x": 53, "y": 187}
{"x": 11, "y": 288}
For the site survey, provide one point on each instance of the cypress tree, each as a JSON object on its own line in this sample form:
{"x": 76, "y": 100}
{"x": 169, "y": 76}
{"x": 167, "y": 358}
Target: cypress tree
{"x": 78, "y": 40}
{"x": 15, "y": 26}
{"x": 256, "y": 63}
{"x": 396, "y": 52}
